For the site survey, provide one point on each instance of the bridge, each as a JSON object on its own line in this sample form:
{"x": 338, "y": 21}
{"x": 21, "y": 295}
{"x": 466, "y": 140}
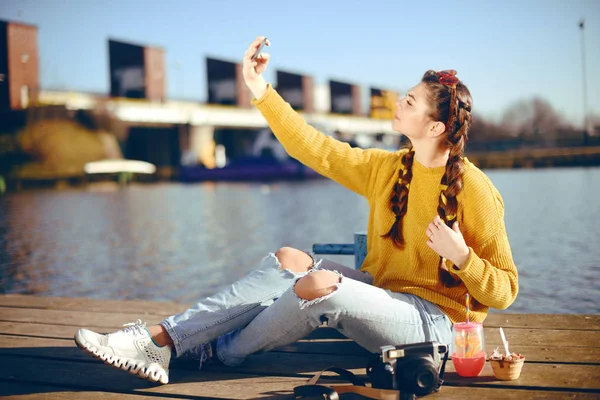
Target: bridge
{"x": 207, "y": 115}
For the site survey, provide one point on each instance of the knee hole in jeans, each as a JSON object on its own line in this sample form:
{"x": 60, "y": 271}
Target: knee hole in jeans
{"x": 294, "y": 260}
{"x": 317, "y": 284}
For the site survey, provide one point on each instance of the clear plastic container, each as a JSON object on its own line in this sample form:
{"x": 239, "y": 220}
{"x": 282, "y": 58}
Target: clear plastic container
{"x": 468, "y": 348}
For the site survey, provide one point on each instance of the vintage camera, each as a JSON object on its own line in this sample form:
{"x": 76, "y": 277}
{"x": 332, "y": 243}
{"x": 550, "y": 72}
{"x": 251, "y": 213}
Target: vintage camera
{"x": 413, "y": 369}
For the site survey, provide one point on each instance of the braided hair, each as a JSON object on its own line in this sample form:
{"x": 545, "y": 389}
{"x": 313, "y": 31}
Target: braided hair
{"x": 400, "y": 198}
{"x": 451, "y": 102}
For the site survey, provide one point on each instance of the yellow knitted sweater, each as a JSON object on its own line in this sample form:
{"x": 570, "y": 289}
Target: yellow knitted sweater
{"x": 490, "y": 275}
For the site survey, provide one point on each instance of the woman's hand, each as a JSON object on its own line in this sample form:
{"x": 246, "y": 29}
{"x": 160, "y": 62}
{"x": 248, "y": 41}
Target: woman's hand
{"x": 252, "y": 70}
{"x": 448, "y": 243}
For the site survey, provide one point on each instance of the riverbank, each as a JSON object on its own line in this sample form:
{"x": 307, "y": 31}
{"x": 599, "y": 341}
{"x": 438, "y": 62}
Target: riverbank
{"x": 38, "y": 177}
{"x": 538, "y": 158}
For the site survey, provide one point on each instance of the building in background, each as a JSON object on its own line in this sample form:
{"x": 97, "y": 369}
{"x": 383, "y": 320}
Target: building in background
{"x": 225, "y": 83}
{"x": 296, "y": 89}
{"x": 136, "y": 71}
{"x": 19, "y": 66}
{"x": 383, "y": 104}
{"x": 344, "y": 98}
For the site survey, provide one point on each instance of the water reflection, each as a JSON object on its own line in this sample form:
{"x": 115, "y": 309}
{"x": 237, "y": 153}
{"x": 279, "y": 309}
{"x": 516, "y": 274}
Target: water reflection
{"x": 180, "y": 242}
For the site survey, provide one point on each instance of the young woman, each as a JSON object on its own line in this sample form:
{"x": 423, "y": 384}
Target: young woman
{"x": 436, "y": 232}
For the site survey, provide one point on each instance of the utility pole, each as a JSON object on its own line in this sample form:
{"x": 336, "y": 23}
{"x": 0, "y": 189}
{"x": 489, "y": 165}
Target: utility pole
{"x": 586, "y": 122}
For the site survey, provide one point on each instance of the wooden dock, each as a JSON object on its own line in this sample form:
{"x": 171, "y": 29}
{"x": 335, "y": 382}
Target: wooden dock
{"x": 39, "y": 359}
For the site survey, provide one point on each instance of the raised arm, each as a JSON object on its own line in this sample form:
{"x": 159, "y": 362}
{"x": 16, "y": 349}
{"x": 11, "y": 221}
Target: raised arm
{"x": 353, "y": 168}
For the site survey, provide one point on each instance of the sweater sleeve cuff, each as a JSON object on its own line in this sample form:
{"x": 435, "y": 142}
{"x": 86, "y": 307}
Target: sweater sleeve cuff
{"x": 471, "y": 267}
{"x": 257, "y": 102}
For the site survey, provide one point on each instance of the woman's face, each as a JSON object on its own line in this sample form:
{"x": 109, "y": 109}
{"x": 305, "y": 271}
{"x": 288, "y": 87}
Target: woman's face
{"x": 412, "y": 116}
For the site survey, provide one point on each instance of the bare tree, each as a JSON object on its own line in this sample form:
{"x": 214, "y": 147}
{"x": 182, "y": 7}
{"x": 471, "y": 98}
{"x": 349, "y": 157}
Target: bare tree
{"x": 533, "y": 117}
{"x": 484, "y": 130}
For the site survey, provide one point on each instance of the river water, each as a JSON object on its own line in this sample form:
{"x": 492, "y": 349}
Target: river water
{"x": 179, "y": 242}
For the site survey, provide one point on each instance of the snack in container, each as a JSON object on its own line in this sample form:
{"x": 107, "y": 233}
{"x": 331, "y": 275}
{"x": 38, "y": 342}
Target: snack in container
{"x": 506, "y": 367}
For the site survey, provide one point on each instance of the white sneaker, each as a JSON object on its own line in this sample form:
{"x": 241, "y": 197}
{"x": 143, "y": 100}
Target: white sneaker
{"x": 130, "y": 349}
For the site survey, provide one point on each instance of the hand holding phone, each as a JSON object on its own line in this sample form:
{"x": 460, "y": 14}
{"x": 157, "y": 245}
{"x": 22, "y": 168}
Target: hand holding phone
{"x": 254, "y": 65}
{"x": 257, "y": 53}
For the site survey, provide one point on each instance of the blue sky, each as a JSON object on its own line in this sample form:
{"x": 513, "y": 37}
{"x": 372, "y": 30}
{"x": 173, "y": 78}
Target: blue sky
{"x": 504, "y": 51}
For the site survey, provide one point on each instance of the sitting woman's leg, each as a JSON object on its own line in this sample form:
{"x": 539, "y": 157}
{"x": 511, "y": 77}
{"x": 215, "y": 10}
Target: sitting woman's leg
{"x": 373, "y": 317}
{"x": 237, "y": 304}
{"x": 351, "y": 273}
{"x": 288, "y": 258}
{"x": 147, "y": 351}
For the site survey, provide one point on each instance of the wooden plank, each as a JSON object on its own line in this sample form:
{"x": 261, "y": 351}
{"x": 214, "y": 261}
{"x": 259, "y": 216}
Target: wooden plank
{"x": 22, "y": 391}
{"x": 543, "y": 337}
{"x": 65, "y": 349}
{"x": 58, "y": 349}
{"x": 515, "y": 336}
{"x": 43, "y": 330}
{"x": 582, "y": 378}
{"x": 559, "y": 352}
{"x": 564, "y": 376}
{"x": 141, "y": 307}
{"x": 585, "y": 378}
{"x": 64, "y": 324}
{"x": 138, "y": 308}
{"x": 82, "y": 319}
{"x": 569, "y": 355}
{"x": 541, "y": 375}
{"x": 543, "y": 321}
{"x": 38, "y": 330}
{"x": 222, "y": 382}
{"x": 184, "y": 383}
{"x": 459, "y": 393}
{"x": 28, "y": 391}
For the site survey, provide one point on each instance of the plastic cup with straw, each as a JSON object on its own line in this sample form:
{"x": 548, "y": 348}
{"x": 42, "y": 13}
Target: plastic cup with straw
{"x": 467, "y": 320}
{"x": 467, "y": 345}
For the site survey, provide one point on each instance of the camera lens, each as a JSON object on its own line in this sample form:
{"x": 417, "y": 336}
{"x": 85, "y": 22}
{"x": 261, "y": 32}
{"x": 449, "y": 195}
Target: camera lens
{"x": 419, "y": 376}
{"x": 425, "y": 380}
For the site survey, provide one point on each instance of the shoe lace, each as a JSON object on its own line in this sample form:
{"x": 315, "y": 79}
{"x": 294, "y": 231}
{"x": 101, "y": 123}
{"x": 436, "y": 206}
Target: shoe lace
{"x": 138, "y": 327}
{"x": 201, "y": 353}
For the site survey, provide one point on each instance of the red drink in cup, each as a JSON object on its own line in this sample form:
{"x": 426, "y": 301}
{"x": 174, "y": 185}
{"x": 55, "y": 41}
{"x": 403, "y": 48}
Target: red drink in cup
{"x": 467, "y": 348}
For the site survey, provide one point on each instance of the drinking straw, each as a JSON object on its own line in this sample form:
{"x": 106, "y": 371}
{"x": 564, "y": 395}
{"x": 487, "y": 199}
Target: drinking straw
{"x": 504, "y": 342}
{"x": 467, "y": 302}
{"x": 467, "y": 338}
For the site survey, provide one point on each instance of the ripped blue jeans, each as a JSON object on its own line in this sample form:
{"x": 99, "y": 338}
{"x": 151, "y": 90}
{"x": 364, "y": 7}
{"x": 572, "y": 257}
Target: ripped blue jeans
{"x": 261, "y": 312}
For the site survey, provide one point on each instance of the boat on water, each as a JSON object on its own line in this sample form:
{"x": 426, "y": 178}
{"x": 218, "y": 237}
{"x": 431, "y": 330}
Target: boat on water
{"x": 115, "y": 166}
{"x": 256, "y": 158}
{"x": 249, "y": 168}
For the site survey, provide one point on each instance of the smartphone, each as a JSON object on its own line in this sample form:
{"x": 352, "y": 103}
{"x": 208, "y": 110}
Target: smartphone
{"x": 259, "y": 49}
